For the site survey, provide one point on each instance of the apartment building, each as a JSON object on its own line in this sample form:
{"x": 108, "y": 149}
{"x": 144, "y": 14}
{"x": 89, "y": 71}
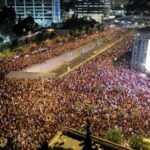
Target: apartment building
{"x": 44, "y": 11}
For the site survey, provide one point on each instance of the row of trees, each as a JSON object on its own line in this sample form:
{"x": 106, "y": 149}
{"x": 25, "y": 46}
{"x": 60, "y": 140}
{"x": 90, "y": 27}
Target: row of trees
{"x": 75, "y": 22}
{"x": 135, "y": 141}
{"x": 86, "y": 30}
{"x": 115, "y": 136}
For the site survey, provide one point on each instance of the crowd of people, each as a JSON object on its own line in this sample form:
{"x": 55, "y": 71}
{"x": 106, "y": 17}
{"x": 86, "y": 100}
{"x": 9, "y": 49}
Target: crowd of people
{"x": 21, "y": 62}
{"x": 32, "y": 111}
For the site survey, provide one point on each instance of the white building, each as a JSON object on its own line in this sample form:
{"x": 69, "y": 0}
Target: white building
{"x": 44, "y": 11}
{"x": 141, "y": 50}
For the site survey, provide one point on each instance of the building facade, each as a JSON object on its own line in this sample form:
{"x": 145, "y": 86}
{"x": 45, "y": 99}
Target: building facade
{"x": 93, "y": 8}
{"x": 141, "y": 50}
{"x": 44, "y": 11}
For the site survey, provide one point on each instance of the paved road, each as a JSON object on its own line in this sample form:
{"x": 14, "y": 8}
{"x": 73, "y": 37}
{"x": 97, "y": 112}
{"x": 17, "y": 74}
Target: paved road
{"x": 95, "y": 53}
{"x": 56, "y": 62}
{"x": 46, "y": 69}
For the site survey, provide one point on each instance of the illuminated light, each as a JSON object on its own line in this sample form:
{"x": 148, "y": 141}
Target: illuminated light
{"x": 56, "y": 10}
{"x": 147, "y": 64}
{"x": 116, "y": 21}
{"x": 112, "y": 17}
{"x": 136, "y": 23}
{"x": 50, "y": 30}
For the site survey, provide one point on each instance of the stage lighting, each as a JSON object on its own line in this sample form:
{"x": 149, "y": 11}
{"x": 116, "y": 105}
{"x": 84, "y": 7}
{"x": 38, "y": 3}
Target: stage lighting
{"x": 147, "y": 64}
{"x": 141, "y": 50}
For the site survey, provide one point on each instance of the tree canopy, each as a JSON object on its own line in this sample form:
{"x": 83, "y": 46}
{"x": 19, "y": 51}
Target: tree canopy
{"x": 8, "y": 18}
{"x": 25, "y": 25}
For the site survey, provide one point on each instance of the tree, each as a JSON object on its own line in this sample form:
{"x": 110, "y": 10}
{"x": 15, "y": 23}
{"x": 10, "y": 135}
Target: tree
{"x": 136, "y": 142}
{"x": 28, "y": 24}
{"x": 18, "y": 29}
{"x": 25, "y": 25}
{"x": 114, "y": 135}
{"x": 78, "y": 106}
{"x": 88, "y": 140}
{"x": 3, "y": 142}
{"x": 100, "y": 27}
{"x": 8, "y": 18}
{"x": 118, "y": 88}
{"x": 1, "y": 41}
{"x": 19, "y": 20}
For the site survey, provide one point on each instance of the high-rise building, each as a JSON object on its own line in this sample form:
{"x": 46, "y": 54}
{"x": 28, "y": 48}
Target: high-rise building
{"x": 44, "y": 11}
{"x": 92, "y": 8}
